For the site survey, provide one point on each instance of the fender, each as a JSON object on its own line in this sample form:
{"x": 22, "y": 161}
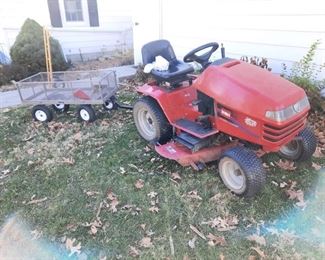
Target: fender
{"x": 175, "y": 103}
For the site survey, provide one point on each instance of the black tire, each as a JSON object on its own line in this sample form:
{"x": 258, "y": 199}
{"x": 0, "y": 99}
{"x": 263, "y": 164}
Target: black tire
{"x": 251, "y": 175}
{"x": 60, "y": 108}
{"x": 42, "y": 113}
{"x": 301, "y": 148}
{"x": 110, "y": 104}
{"x": 155, "y": 127}
{"x": 86, "y": 113}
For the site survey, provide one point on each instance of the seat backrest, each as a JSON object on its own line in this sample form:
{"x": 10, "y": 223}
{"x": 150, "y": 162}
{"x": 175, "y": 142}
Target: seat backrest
{"x": 155, "y": 48}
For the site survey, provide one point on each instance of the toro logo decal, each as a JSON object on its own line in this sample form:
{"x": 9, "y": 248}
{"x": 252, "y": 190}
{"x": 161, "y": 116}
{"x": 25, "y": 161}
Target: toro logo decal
{"x": 250, "y": 122}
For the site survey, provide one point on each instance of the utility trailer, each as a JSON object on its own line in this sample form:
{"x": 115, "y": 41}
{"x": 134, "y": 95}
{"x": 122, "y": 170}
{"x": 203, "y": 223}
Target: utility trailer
{"x": 61, "y": 89}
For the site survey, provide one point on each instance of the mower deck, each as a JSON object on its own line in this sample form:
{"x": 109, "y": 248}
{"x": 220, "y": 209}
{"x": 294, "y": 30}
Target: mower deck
{"x": 184, "y": 156}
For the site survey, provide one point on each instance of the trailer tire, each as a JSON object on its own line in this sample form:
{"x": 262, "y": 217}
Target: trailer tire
{"x": 150, "y": 120}
{"x": 301, "y": 148}
{"x": 110, "y": 104}
{"x": 60, "y": 107}
{"x": 86, "y": 113}
{"x": 42, "y": 113}
{"x": 242, "y": 171}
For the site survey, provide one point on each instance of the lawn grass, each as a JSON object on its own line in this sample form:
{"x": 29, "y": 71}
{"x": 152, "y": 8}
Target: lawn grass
{"x": 75, "y": 165}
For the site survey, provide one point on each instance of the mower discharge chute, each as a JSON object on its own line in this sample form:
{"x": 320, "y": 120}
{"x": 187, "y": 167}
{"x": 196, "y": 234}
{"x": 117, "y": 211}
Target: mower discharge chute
{"x": 231, "y": 112}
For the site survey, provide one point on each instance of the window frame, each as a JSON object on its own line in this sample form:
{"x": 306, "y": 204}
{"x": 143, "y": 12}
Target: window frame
{"x": 85, "y": 14}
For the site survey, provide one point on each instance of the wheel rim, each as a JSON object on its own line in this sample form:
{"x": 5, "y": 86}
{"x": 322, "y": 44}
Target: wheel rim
{"x": 109, "y": 105}
{"x": 59, "y": 106}
{"x": 232, "y": 175}
{"x": 291, "y": 149}
{"x": 40, "y": 115}
{"x": 146, "y": 123}
{"x": 84, "y": 114}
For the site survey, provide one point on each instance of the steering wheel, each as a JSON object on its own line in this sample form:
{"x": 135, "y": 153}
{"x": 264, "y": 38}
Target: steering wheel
{"x": 203, "y": 59}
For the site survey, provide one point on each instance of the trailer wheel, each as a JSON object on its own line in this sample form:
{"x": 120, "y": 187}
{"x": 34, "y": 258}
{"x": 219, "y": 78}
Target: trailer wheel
{"x": 86, "y": 113}
{"x": 242, "y": 171}
{"x": 110, "y": 104}
{"x": 151, "y": 121}
{"x": 301, "y": 148}
{"x": 60, "y": 107}
{"x": 42, "y": 113}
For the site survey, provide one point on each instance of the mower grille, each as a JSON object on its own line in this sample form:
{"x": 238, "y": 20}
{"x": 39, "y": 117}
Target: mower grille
{"x": 275, "y": 133}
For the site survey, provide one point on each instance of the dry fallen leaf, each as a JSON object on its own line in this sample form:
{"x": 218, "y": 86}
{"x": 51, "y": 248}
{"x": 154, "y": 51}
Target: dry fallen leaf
{"x": 154, "y": 209}
{"x": 73, "y": 249}
{"x": 143, "y": 226}
{"x": 134, "y": 252}
{"x": 259, "y": 251}
{"x": 31, "y": 151}
{"x": 176, "y": 177}
{"x": 113, "y": 205}
{"x": 139, "y": 184}
{"x": 69, "y": 161}
{"x": 93, "y": 230}
{"x": 146, "y": 242}
{"x": 286, "y": 165}
{"x": 297, "y": 195}
{"x": 283, "y": 184}
{"x": 318, "y": 153}
{"x": 193, "y": 195}
{"x": 91, "y": 193}
{"x": 223, "y": 224}
{"x": 215, "y": 240}
{"x": 196, "y": 231}
{"x": 36, "y": 201}
{"x": 258, "y": 239}
{"x": 191, "y": 243}
{"x": 152, "y": 194}
{"x": 111, "y": 195}
{"x": 316, "y": 166}
{"x": 77, "y": 137}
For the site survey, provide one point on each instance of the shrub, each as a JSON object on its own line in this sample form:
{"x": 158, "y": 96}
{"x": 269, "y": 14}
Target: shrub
{"x": 304, "y": 74}
{"x": 28, "y": 50}
{"x": 12, "y": 72}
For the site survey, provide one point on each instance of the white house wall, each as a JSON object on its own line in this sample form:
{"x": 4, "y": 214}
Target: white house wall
{"x": 282, "y": 31}
{"x": 114, "y": 32}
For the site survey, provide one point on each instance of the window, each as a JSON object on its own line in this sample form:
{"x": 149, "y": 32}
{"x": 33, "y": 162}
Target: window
{"x": 73, "y": 13}
{"x": 73, "y": 10}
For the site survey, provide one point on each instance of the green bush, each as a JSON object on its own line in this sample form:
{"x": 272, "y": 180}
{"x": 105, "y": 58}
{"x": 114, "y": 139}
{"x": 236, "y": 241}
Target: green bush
{"x": 12, "y": 72}
{"x": 28, "y": 50}
{"x": 304, "y": 73}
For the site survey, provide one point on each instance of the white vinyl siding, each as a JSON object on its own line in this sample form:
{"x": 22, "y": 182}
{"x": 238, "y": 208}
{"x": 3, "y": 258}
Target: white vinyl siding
{"x": 281, "y": 31}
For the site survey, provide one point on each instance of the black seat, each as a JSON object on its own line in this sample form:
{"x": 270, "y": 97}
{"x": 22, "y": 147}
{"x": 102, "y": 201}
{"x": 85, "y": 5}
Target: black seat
{"x": 177, "y": 71}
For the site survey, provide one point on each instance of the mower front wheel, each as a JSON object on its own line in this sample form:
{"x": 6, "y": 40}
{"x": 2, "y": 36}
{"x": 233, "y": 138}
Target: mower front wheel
{"x": 151, "y": 121}
{"x": 242, "y": 171}
{"x": 301, "y": 148}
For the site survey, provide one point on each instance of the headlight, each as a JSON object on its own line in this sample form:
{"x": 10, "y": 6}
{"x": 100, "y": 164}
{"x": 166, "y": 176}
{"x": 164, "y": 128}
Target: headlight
{"x": 287, "y": 113}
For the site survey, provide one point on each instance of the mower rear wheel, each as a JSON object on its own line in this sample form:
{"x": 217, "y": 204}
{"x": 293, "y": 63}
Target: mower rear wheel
{"x": 151, "y": 121}
{"x": 242, "y": 171}
{"x": 301, "y": 148}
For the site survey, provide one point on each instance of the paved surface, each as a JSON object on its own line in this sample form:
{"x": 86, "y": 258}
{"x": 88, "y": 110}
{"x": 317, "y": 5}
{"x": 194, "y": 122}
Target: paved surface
{"x": 12, "y": 99}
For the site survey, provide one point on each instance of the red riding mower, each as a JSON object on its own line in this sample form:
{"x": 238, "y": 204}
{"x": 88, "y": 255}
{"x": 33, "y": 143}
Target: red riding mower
{"x": 232, "y": 112}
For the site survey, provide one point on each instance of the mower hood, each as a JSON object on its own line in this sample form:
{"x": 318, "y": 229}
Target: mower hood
{"x": 248, "y": 88}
